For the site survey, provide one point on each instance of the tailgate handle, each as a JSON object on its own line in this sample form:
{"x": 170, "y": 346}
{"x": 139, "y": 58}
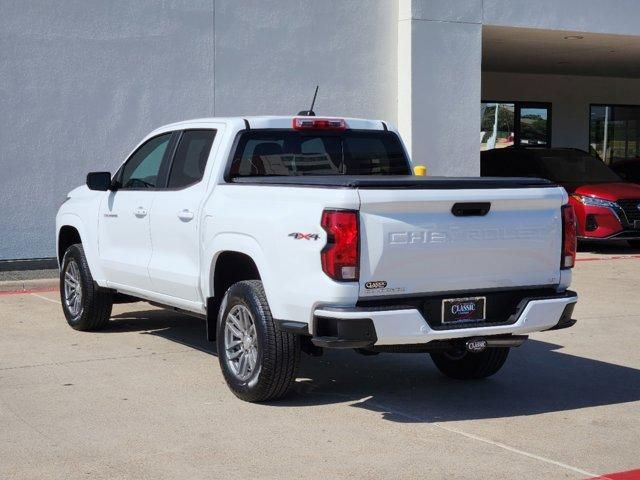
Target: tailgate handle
{"x": 471, "y": 209}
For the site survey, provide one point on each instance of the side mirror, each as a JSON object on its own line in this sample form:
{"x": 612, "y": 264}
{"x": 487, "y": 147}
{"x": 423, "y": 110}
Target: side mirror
{"x": 99, "y": 181}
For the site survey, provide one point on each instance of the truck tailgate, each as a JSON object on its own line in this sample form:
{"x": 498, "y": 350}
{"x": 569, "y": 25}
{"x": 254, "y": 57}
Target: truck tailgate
{"x": 412, "y": 243}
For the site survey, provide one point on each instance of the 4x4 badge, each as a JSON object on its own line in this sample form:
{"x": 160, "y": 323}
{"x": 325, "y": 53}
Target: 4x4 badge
{"x": 304, "y": 236}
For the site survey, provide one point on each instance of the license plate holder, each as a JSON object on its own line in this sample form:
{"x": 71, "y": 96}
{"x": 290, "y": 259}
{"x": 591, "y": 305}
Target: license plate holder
{"x": 461, "y": 310}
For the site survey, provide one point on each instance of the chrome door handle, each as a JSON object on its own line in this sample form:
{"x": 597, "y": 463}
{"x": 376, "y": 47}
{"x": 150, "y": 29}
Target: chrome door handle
{"x": 185, "y": 215}
{"x": 140, "y": 212}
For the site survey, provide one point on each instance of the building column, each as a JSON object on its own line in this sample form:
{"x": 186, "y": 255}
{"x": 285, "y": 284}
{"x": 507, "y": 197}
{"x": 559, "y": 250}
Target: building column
{"x": 439, "y": 75}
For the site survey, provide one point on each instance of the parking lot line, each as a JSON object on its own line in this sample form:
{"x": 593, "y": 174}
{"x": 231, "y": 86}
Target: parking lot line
{"x": 45, "y": 298}
{"x": 503, "y": 446}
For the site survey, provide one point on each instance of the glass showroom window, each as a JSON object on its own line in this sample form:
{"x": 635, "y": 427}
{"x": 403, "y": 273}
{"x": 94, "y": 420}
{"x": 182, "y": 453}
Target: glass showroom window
{"x": 515, "y": 123}
{"x": 497, "y": 125}
{"x": 614, "y": 132}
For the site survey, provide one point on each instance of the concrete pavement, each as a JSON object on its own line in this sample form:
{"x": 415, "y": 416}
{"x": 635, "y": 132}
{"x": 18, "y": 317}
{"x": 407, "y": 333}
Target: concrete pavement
{"x": 146, "y": 399}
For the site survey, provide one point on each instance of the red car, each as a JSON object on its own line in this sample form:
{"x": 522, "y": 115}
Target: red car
{"x": 607, "y": 206}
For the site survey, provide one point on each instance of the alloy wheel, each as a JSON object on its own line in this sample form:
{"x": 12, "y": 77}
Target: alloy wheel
{"x": 73, "y": 288}
{"x": 240, "y": 342}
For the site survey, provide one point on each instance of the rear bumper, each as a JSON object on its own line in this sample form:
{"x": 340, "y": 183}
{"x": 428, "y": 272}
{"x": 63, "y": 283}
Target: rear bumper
{"x": 361, "y": 327}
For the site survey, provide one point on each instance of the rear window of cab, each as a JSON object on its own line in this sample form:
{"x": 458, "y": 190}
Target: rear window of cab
{"x": 296, "y": 153}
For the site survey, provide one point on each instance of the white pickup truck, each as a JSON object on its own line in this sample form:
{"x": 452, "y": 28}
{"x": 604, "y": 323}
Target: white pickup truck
{"x": 290, "y": 234}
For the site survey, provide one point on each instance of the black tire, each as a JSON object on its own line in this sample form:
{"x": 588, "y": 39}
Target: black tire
{"x": 94, "y": 304}
{"x": 465, "y": 365}
{"x": 634, "y": 243}
{"x": 277, "y": 353}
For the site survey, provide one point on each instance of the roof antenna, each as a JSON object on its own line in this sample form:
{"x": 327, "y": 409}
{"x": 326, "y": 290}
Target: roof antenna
{"x": 310, "y": 112}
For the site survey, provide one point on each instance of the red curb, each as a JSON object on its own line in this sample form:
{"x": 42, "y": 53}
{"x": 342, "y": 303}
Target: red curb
{"x": 616, "y": 257}
{"x": 628, "y": 475}
{"x": 31, "y": 290}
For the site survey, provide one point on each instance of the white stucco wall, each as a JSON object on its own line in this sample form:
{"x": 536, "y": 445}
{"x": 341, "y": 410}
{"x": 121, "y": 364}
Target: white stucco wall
{"x": 439, "y": 62}
{"x": 270, "y": 55}
{"x": 618, "y": 17}
{"x": 80, "y": 83}
{"x": 570, "y": 97}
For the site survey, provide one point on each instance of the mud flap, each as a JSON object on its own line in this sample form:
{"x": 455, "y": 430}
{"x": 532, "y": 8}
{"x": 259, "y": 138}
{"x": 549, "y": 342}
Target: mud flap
{"x": 213, "y": 305}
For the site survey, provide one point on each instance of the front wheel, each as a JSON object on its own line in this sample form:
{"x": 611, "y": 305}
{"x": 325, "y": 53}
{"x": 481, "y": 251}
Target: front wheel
{"x": 86, "y": 306}
{"x": 259, "y": 362}
{"x": 464, "y": 365}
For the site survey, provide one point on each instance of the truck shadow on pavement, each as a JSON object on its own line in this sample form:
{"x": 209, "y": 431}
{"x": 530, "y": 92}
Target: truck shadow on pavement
{"x": 609, "y": 247}
{"x": 179, "y": 328}
{"x": 537, "y": 378}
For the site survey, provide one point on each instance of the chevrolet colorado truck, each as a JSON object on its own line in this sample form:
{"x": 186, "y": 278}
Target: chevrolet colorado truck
{"x": 290, "y": 234}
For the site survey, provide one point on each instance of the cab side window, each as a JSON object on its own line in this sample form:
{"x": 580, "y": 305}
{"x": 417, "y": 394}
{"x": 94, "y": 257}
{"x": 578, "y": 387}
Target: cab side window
{"x": 190, "y": 158}
{"x": 143, "y": 168}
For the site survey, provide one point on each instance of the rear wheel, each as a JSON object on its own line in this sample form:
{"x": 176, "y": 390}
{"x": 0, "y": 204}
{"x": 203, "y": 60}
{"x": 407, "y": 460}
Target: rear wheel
{"x": 86, "y": 306}
{"x": 465, "y": 365}
{"x": 259, "y": 362}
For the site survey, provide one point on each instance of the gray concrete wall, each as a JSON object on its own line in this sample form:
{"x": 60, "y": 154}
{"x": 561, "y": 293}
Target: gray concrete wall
{"x": 80, "y": 83}
{"x": 570, "y": 97}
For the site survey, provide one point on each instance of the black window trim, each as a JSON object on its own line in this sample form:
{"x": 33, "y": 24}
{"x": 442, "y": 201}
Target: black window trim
{"x": 598, "y": 104}
{"x": 179, "y": 134}
{"x": 227, "y": 169}
{"x": 167, "y": 162}
{"x": 517, "y": 106}
{"x": 162, "y": 177}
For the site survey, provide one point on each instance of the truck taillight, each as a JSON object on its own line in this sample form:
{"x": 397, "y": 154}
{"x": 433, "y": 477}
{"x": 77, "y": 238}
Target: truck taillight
{"x": 569, "y": 239}
{"x": 340, "y": 257}
{"x": 312, "y": 123}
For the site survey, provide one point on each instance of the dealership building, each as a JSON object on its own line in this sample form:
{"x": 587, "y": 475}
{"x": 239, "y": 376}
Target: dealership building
{"x": 82, "y": 81}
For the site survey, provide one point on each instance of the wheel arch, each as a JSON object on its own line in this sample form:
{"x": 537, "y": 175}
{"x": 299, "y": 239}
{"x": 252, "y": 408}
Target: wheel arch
{"x": 71, "y": 229}
{"x": 67, "y": 236}
{"x": 234, "y": 257}
{"x": 230, "y": 267}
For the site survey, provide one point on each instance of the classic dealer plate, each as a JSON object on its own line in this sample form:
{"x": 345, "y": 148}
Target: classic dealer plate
{"x": 457, "y": 310}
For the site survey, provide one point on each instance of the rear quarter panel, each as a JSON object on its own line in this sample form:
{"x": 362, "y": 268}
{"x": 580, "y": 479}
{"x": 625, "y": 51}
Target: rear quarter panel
{"x": 261, "y": 221}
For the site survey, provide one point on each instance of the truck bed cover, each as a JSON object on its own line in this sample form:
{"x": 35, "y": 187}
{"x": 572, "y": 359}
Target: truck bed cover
{"x": 396, "y": 181}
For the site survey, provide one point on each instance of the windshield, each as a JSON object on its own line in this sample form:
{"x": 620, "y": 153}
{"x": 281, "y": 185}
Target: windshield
{"x": 293, "y": 153}
{"x": 577, "y": 168}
